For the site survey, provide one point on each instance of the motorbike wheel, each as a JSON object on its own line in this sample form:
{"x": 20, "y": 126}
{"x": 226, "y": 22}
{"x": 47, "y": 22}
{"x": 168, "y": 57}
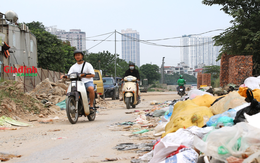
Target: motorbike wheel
{"x": 127, "y": 101}
{"x": 72, "y": 113}
{"x": 91, "y": 117}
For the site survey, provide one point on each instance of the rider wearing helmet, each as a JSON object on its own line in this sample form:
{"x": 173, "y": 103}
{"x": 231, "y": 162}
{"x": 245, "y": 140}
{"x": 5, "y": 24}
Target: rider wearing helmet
{"x": 181, "y": 82}
{"x": 88, "y": 79}
{"x": 134, "y": 72}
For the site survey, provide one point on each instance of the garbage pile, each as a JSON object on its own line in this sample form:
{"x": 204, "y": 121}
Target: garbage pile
{"x": 203, "y": 128}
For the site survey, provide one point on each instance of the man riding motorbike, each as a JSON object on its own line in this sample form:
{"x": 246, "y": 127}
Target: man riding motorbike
{"x": 88, "y": 79}
{"x": 134, "y": 72}
{"x": 181, "y": 82}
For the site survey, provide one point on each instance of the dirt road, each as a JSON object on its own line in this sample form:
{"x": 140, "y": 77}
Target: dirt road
{"x": 88, "y": 142}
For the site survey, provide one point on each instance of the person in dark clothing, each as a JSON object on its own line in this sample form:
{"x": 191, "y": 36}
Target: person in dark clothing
{"x": 134, "y": 72}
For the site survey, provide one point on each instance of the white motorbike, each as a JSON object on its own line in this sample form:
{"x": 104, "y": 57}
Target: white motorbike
{"x": 77, "y": 103}
{"x": 129, "y": 92}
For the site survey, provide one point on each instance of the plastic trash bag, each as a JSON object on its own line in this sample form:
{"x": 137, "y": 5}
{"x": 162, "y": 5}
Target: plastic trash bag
{"x": 194, "y": 93}
{"x": 158, "y": 113}
{"x": 185, "y": 155}
{"x": 204, "y": 100}
{"x": 147, "y": 156}
{"x": 252, "y": 83}
{"x": 186, "y": 114}
{"x": 254, "y": 108}
{"x": 243, "y": 92}
{"x": 232, "y": 100}
{"x": 160, "y": 129}
{"x": 253, "y": 120}
{"x": 231, "y": 141}
{"x": 226, "y": 118}
{"x": 172, "y": 141}
{"x": 62, "y": 105}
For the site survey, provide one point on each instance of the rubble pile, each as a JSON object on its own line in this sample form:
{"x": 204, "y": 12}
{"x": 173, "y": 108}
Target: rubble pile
{"x": 49, "y": 93}
{"x": 200, "y": 128}
{"x": 16, "y": 104}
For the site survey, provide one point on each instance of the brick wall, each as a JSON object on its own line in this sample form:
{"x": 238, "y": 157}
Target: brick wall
{"x": 235, "y": 69}
{"x": 240, "y": 67}
{"x": 199, "y": 79}
{"x": 224, "y": 69}
{"x": 206, "y": 79}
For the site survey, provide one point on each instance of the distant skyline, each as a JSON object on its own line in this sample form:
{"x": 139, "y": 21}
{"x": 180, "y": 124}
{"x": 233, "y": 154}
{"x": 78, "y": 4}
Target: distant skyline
{"x": 153, "y": 19}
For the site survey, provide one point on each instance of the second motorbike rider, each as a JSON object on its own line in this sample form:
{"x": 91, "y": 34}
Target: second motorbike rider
{"x": 134, "y": 72}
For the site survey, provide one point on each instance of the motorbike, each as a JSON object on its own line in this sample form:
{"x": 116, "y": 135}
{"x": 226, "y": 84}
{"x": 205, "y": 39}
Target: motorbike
{"x": 181, "y": 91}
{"x": 77, "y": 103}
{"x": 129, "y": 92}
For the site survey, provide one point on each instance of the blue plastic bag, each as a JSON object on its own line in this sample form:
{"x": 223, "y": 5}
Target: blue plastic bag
{"x": 225, "y": 118}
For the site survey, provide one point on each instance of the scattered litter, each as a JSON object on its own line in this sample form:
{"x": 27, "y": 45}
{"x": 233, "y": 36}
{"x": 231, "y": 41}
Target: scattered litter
{"x": 140, "y": 132}
{"x": 12, "y": 122}
{"x": 62, "y": 105}
{"x": 54, "y": 130}
{"x": 109, "y": 159}
{"x": 59, "y": 138}
{"x": 6, "y": 157}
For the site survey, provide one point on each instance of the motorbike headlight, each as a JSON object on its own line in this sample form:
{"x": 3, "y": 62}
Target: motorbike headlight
{"x": 73, "y": 76}
{"x": 129, "y": 79}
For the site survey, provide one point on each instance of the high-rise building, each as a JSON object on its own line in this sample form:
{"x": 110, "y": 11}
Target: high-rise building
{"x": 199, "y": 50}
{"x": 131, "y": 46}
{"x": 76, "y": 38}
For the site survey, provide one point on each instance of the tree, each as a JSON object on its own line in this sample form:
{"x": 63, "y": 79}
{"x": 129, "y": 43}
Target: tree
{"x": 53, "y": 54}
{"x": 106, "y": 61}
{"x": 151, "y": 72}
{"x": 213, "y": 70}
{"x": 243, "y": 37}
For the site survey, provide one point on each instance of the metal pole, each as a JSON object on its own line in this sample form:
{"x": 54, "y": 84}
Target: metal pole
{"x": 115, "y": 54}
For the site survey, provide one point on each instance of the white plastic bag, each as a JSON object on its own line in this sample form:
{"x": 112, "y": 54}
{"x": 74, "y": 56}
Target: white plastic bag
{"x": 194, "y": 93}
{"x": 228, "y": 141}
{"x": 252, "y": 82}
{"x": 160, "y": 129}
{"x": 147, "y": 156}
{"x": 172, "y": 141}
{"x": 186, "y": 155}
{"x": 253, "y": 120}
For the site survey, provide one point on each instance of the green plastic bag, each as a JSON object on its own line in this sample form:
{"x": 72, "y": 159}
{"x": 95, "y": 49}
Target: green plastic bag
{"x": 140, "y": 132}
{"x": 62, "y": 105}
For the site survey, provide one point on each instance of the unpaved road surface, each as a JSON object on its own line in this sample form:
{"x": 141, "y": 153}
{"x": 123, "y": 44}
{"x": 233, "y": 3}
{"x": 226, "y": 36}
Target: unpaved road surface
{"x": 84, "y": 142}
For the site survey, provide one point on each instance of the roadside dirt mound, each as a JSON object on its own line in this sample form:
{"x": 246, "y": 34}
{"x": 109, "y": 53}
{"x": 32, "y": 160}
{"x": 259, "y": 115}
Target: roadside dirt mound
{"x": 52, "y": 92}
{"x": 14, "y": 103}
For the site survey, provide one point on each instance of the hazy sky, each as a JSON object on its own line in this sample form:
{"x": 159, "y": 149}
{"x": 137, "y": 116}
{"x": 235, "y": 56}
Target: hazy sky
{"x": 153, "y": 19}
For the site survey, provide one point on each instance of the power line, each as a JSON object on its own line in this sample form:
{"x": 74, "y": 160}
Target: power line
{"x": 101, "y": 35}
{"x": 101, "y": 41}
{"x": 162, "y": 39}
{"x": 154, "y": 44}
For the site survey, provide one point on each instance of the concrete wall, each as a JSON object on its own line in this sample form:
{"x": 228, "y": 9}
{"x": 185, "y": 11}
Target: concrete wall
{"x": 23, "y": 46}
